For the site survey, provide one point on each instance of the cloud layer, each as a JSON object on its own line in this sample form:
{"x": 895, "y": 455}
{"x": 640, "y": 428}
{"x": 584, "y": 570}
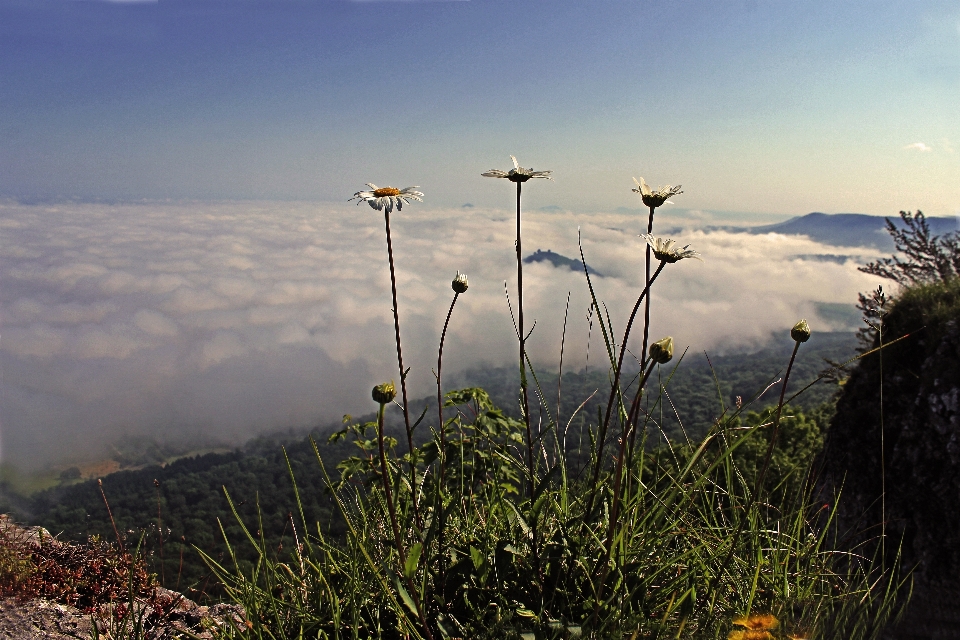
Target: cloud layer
{"x": 213, "y": 322}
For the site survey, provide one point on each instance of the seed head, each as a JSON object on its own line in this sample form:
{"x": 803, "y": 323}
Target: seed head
{"x": 661, "y": 351}
{"x": 384, "y": 393}
{"x": 460, "y": 284}
{"x": 800, "y": 331}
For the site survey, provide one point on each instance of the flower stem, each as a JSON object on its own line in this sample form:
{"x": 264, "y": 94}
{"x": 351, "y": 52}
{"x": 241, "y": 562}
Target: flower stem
{"x": 523, "y": 349}
{"x": 403, "y": 373}
{"x": 617, "y": 484}
{"x": 646, "y": 312}
{"x": 776, "y": 424}
{"x": 443, "y": 447}
{"x": 523, "y": 388}
{"x": 616, "y": 381}
{"x": 443, "y": 337}
{"x": 631, "y": 419}
{"x": 759, "y": 482}
{"x": 398, "y": 540}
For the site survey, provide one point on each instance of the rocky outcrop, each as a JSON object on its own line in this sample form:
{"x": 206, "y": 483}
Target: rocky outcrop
{"x": 897, "y": 428}
{"x": 158, "y": 613}
{"x": 37, "y": 618}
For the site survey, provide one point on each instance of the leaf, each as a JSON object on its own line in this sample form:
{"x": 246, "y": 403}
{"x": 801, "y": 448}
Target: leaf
{"x": 518, "y": 518}
{"x": 407, "y": 600}
{"x": 413, "y": 560}
{"x": 545, "y": 482}
{"x": 477, "y": 557}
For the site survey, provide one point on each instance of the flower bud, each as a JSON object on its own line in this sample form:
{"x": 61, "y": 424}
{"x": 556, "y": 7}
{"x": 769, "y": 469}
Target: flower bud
{"x": 384, "y": 393}
{"x": 800, "y": 331}
{"x": 459, "y": 283}
{"x": 661, "y": 351}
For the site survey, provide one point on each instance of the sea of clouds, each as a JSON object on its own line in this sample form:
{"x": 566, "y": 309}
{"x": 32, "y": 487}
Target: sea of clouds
{"x": 212, "y": 322}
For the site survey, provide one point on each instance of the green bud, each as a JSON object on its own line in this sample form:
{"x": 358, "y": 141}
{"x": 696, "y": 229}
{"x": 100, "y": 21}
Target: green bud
{"x": 800, "y": 331}
{"x": 661, "y": 351}
{"x": 384, "y": 393}
{"x": 459, "y": 283}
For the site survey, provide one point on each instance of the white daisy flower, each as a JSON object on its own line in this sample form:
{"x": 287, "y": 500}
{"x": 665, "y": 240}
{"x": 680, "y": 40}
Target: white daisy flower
{"x": 656, "y": 198}
{"x": 381, "y": 198}
{"x": 517, "y": 174}
{"x": 663, "y": 249}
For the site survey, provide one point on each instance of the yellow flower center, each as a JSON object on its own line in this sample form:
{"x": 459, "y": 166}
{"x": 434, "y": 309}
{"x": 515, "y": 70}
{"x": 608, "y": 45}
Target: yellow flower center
{"x": 385, "y": 192}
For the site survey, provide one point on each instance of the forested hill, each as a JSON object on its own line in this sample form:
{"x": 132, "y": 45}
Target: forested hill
{"x": 698, "y": 387}
{"x": 189, "y": 495}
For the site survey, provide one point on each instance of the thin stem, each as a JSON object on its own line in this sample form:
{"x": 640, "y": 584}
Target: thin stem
{"x": 646, "y": 312}
{"x": 388, "y": 493}
{"x": 759, "y": 483}
{"x": 443, "y": 444}
{"x": 523, "y": 386}
{"x": 883, "y": 462}
{"x": 563, "y": 342}
{"x": 523, "y": 348}
{"x": 388, "y": 496}
{"x": 183, "y": 541}
{"x": 631, "y": 419}
{"x": 776, "y": 424}
{"x": 643, "y": 355}
{"x": 602, "y": 436}
{"x": 110, "y": 513}
{"x": 156, "y": 483}
{"x": 617, "y": 483}
{"x": 443, "y": 337}
{"x": 403, "y": 373}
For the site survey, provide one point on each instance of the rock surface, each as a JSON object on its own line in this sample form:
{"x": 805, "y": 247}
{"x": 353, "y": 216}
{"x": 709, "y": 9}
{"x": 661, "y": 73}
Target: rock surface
{"x": 918, "y": 433}
{"x": 161, "y": 614}
{"x": 36, "y": 619}
{"x": 42, "y": 619}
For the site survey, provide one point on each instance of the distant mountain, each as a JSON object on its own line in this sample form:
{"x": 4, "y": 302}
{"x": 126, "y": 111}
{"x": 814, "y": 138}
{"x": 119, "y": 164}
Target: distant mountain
{"x": 845, "y": 229}
{"x": 559, "y": 261}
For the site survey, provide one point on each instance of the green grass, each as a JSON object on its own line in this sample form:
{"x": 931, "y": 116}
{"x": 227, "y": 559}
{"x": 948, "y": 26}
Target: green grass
{"x": 690, "y": 552}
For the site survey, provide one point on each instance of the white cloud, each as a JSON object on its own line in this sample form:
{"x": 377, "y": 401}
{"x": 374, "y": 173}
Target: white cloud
{"x": 154, "y": 323}
{"x": 918, "y": 146}
{"x": 230, "y": 319}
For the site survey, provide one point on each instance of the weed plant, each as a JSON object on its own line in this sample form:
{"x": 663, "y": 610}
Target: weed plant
{"x": 488, "y": 530}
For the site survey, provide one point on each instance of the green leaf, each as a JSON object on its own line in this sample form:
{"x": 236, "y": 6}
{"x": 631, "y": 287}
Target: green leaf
{"x": 477, "y": 557}
{"x": 413, "y": 560}
{"x": 407, "y": 600}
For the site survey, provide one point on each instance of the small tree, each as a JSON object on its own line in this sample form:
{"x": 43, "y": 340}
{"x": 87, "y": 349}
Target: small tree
{"x": 928, "y": 258}
{"x": 925, "y": 259}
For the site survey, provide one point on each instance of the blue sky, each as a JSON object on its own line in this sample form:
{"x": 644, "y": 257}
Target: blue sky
{"x": 755, "y": 106}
